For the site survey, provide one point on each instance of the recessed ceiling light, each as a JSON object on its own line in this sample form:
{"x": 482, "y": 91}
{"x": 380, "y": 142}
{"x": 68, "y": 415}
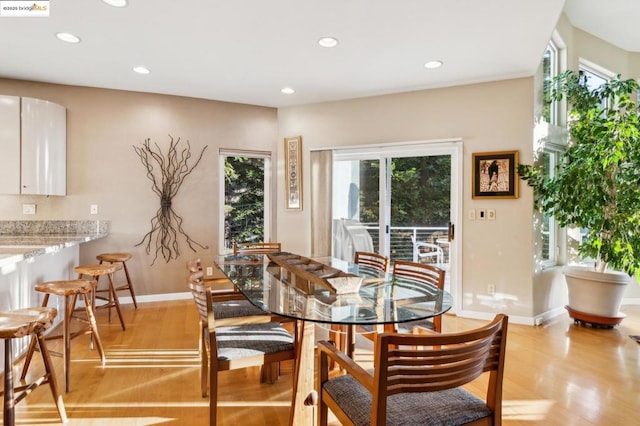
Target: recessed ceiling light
{"x": 142, "y": 70}
{"x": 433, "y": 64}
{"x": 68, "y": 37}
{"x": 328, "y": 42}
{"x": 288, "y": 91}
{"x": 116, "y": 3}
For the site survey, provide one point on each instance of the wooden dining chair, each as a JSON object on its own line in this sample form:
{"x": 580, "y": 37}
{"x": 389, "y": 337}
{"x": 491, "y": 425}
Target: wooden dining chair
{"x": 227, "y": 303}
{"x": 344, "y": 336}
{"x": 235, "y": 343}
{"x": 256, "y": 248}
{"x": 425, "y": 274}
{"x": 417, "y": 380}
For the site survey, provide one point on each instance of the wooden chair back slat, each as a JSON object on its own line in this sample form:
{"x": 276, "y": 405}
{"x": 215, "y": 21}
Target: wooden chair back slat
{"x": 198, "y": 291}
{"x": 372, "y": 260}
{"x": 422, "y": 272}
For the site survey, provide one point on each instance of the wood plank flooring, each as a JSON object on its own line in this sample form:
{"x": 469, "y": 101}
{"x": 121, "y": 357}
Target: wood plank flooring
{"x": 556, "y": 374}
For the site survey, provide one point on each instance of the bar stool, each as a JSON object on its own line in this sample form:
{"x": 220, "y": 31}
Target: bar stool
{"x": 120, "y": 258}
{"x": 96, "y": 271}
{"x": 21, "y": 323}
{"x": 70, "y": 290}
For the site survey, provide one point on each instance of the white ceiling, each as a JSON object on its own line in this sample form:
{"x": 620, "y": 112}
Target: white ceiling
{"x": 245, "y": 51}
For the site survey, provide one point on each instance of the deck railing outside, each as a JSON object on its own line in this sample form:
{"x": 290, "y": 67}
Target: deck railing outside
{"x": 402, "y": 244}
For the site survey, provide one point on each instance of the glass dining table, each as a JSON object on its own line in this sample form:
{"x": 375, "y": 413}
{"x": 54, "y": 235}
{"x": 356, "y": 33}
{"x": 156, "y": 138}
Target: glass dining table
{"x": 300, "y": 288}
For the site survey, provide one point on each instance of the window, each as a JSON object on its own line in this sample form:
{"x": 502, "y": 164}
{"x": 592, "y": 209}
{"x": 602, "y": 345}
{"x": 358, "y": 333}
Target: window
{"x": 550, "y": 61}
{"x": 548, "y": 228}
{"x": 596, "y": 75}
{"x": 550, "y": 141}
{"x": 245, "y": 188}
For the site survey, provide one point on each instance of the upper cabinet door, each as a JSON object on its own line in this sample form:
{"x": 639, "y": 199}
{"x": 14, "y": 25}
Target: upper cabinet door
{"x": 44, "y": 147}
{"x": 9, "y": 144}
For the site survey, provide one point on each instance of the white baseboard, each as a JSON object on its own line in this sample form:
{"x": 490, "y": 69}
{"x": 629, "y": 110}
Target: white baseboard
{"x": 163, "y": 297}
{"x": 488, "y": 316}
{"x": 630, "y": 301}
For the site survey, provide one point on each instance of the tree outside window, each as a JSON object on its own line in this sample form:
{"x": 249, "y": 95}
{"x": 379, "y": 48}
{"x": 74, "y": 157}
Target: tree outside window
{"x": 244, "y": 199}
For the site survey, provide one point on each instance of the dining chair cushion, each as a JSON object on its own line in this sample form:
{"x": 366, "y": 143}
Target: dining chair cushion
{"x": 447, "y": 407}
{"x": 235, "y": 308}
{"x": 249, "y": 340}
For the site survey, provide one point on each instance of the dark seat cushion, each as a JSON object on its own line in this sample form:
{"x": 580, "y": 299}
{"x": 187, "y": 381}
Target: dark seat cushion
{"x": 249, "y": 340}
{"x": 235, "y": 308}
{"x": 449, "y": 407}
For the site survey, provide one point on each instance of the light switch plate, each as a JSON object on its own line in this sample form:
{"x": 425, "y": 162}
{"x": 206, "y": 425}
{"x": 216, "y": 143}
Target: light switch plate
{"x": 94, "y": 209}
{"x": 472, "y": 214}
{"x": 482, "y": 214}
{"x": 491, "y": 214}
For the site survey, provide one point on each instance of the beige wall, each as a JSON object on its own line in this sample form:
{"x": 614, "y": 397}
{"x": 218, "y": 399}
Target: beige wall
{"x": 488, "y": 117}
{"x": 102, "y": 128}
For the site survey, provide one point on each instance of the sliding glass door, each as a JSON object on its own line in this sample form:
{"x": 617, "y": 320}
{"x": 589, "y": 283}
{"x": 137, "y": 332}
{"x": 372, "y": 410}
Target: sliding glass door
{"x": 398, "y": 200}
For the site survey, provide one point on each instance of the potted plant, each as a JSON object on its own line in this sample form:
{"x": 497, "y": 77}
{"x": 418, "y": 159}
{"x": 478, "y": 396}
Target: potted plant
{"x": 596, "y": 189}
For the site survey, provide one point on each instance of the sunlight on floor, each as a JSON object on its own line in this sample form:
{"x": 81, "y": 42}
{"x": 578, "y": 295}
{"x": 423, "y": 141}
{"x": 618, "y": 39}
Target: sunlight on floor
{"x": 534, "y": 410}
{"x": 148, "y": 358}
{"x": 254, "y": 403}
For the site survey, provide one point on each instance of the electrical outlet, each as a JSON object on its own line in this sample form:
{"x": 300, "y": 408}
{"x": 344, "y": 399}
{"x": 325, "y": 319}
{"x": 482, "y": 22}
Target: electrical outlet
{"x": 491, "y": 289}
{"x": 94, "y": 209}
{"x": 209, "y": 271}
{"x": 491, "y": 214}
{"x": 28, "y": 209}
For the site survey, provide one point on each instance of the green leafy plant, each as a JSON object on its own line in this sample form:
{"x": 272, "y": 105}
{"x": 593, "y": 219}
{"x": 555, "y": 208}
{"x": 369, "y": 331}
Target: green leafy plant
{"x": 597, "y": 185}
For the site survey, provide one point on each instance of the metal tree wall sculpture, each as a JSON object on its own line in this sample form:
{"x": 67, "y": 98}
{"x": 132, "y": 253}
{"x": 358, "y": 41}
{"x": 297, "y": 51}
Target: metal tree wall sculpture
{"x": 167, "y": 174}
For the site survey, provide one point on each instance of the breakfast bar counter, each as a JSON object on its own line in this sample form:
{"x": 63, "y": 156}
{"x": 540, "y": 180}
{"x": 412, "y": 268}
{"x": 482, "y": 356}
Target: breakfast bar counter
{"x": 16, "y": 248}
{"x": 33, "y": 252}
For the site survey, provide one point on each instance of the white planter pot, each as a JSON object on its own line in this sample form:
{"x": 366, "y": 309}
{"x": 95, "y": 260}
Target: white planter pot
{"x": 595, "y": 293}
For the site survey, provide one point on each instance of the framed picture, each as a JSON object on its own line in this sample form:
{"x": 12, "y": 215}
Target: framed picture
{"x": 495, "y": 174}
{"x": 293, "y": 172}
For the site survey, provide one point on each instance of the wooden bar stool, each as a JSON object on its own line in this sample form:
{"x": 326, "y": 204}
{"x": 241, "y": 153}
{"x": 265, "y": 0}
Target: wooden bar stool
{"x": 69, "y": 290}
{"x": 21, "y": 323}
{"x": 120, "y": 258}
{"x": 96, "y": 271}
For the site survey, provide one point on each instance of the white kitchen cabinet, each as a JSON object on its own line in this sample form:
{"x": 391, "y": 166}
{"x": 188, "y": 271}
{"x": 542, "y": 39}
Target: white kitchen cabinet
{"x": 44, "y": 147}
{"x": 9, "y": 144}
{"x": 33, "y": 146}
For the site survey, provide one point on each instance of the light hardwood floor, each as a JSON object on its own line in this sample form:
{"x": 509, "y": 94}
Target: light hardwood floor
{"x": 556, "y": 374}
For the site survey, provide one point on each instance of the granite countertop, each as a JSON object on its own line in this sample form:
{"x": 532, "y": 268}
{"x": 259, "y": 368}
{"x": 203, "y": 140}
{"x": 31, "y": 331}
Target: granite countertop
{"x": 20, "y": 240}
